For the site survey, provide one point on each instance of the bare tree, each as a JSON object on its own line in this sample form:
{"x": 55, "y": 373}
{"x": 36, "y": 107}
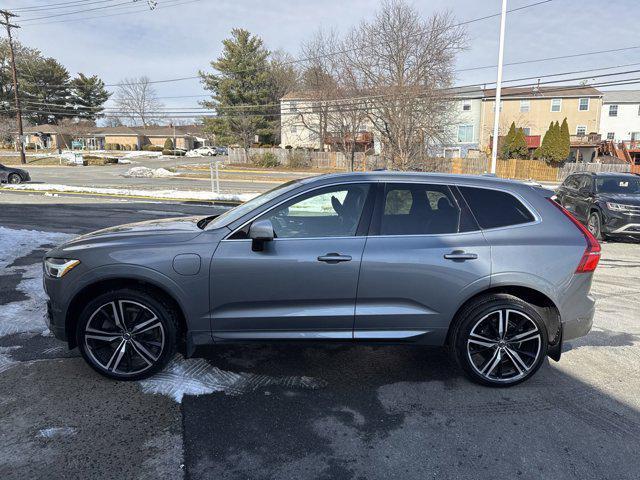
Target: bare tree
{"x": 137, "y": 101}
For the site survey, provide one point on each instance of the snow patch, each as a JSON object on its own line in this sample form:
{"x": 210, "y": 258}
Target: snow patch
{"x": 146, "y": 172}
{"x": 197, "y": 377}
{"x": 143, "y": 153}
{"x": 6, "y": 362}
{"x": 157, "y": 194}
{"x": 26, "y": 316}
{"x": 124, "y": 161}
{"x": 56, "y": 432}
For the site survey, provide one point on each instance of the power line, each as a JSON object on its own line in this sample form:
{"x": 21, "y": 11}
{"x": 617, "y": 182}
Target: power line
{"x": 130, "y": 10}
{"x": 128, "y": 3}
{"x": 61, "y": 5}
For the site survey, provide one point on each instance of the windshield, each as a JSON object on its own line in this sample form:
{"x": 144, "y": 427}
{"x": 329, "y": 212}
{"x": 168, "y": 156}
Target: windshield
{"x": 622, "y": 184}
{"x": 241, "y": 210}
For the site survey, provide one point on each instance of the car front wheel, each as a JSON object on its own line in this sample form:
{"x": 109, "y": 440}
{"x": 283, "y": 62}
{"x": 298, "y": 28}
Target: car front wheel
{"x": 499, "y": 340}
{"x": 15, "y": 179}
{"x": 594, "y": 224}
{"x": 127, "y": 334}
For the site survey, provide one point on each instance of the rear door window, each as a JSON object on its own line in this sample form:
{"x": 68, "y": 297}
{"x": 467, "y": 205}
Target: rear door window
{"x": 421, "y": 209}
{"x": 495, "y": 208}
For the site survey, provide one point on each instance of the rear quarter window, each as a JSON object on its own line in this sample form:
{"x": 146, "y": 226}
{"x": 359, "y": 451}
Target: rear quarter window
{"x": 494, "y": 208}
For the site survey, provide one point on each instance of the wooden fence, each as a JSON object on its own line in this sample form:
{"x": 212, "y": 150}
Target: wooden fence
{"x": 514, "y": 168}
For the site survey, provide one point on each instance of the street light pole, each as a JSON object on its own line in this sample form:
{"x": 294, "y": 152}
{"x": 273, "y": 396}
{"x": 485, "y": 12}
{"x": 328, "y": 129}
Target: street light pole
{"x": 496, "y": 116}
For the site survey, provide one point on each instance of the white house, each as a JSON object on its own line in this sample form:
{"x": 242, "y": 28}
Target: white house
{"x": 620, "y": 117}
{"x": 464, "y": 131}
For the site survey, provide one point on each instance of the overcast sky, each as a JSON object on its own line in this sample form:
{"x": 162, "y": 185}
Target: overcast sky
{"x": 178, "y": 40}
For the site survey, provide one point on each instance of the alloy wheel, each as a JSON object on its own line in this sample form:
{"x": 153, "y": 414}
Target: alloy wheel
{"x": 124, "y": 337}
{"x": 504, "y": 345}
{"x": 14, "y": 179}
{"x": 593, "y": 226}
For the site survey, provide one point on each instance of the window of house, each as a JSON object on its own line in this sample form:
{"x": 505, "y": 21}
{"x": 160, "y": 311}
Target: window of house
{"x": 581, "y": 130}
{"x": 524, "y": 106}
{"x": 466, "y": 105}
{"x": 465, "y": 133}
{"x": 451, "y": 152}
{"x": 613, "y": 110}
{"x": 611, "y": 135}
{"x": 419, "y": 209}
{"x": 494, "y": 105}
{"x": 293, "y": 107}
{"x": 583, "y": 104}
{"x": 556, "y": 104}
{"x": 328, "y": 212}
{"x": 493, "y": 208}
{"x": 526, "y": 130}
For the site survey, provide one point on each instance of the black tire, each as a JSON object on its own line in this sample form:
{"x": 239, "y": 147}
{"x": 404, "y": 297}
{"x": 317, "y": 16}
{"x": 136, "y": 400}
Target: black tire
{"x": 481, "y": 318}
{"x": 14, "y": 179}
{"x": 594, "y": 225}
{"x": 140, "y": 349}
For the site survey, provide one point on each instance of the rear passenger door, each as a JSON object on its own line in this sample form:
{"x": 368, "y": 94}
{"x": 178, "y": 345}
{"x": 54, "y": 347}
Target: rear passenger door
{"x": 423, "y": 253}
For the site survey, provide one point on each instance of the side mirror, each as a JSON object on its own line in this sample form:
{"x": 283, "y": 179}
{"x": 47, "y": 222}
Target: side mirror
{"x": 260, "y": 232}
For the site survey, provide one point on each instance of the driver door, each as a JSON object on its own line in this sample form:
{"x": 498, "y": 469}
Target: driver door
{"x": 303, "y": 284}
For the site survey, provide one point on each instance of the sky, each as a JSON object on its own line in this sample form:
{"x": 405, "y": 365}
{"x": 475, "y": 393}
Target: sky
{"x": 181, "y": 37}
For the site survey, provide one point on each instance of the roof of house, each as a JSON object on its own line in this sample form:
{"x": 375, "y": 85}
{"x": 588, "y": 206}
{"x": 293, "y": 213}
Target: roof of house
{"x": 123, "y": 130}
{"x": 621, "y": 96}
{"x": 557, "y": 91}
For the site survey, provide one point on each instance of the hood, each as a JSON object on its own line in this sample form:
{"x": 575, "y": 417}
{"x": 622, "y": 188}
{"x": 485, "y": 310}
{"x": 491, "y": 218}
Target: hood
{"x": 166, "y": 230}
{"x": 624, "y": 198}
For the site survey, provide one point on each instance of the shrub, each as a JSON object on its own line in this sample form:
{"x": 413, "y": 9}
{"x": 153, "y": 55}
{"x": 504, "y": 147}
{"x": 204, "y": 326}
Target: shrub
{"x": 168, "y": 144}
{"x": 30, "y": 146}
{"x": 298, "y": 159}
{"x": 177, "y": 153}
{"x": 265, "y": 160}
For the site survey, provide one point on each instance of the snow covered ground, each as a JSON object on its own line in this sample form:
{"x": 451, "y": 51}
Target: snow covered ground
{"x": 26, "y": 316}
{"x": 146, "y": 172}
{"x": 157, "y": 194}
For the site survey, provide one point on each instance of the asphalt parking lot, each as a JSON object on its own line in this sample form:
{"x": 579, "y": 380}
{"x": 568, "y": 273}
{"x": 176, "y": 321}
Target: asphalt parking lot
{"x": 265, "y": 412}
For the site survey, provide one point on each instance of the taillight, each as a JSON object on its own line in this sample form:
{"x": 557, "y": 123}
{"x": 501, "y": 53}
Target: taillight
{"x": 591, "y": 255}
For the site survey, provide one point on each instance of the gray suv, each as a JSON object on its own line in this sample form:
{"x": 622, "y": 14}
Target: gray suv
{"x": 492, "y": 269}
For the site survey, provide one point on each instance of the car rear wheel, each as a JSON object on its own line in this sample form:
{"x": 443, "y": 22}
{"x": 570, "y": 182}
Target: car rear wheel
{"x": 594, "y": 224}
{"x": 14, "y": 178}
{"x": 127, "y": 334}
{"x": 499, "y": 340}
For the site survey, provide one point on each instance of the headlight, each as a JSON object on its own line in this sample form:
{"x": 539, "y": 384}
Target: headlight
{"x": 617, "y": 207}
{"x": 59, "y": 267}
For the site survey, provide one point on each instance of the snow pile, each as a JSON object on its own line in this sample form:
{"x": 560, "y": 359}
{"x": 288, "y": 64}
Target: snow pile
{"x": 143, "y": 153}
{"x": 146, "y": 172}
{"x": 26, "y": 315}
{"x": 124, "y": 161}
{"x": 155, "y": 194}
{"x": 197, "y": 377}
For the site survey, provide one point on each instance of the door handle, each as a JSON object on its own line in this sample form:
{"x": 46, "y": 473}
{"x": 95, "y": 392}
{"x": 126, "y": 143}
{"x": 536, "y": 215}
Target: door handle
{"x": 334, "y": 258}
{"x": 460, "y": 255}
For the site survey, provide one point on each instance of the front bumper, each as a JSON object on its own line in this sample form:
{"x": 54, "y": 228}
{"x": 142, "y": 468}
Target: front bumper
{"x": 618, "y": 223}
{"x": 56, "y": 322}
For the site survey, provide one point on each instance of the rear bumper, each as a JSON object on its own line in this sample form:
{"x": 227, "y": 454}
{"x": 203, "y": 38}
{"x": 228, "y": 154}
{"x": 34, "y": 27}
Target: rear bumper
{"x": 580, "y": 323}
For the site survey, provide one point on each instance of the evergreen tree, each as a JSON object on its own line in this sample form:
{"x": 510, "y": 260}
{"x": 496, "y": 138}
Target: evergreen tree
{"x": 519, "y": 147}
{"x": 243, "y": 79}
{"x": 565, "y": 140}
{"x": 553, "y": 145}
{"x": 507, "y": 142}
{"x": 46, "y": 91}
{"x": 168, "y": 144}
{"x": 88, "y": 96}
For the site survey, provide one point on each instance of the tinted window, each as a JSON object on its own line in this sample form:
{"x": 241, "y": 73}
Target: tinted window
{"x": 493, "y": 208}
{"x": 622, "y": 184}
{"x": 419, "y": 209}
{"x": 585, "y": 182}
{"x": 327, "y": 212}
{"x": 571, "y": 181}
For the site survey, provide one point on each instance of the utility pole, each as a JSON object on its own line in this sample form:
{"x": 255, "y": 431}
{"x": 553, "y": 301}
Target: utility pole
{"x": 7, "y": 15}
{"x": 496, "y": 115}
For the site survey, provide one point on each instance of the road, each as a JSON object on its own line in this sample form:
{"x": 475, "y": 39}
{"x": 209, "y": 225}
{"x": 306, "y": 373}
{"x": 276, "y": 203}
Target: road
{"x": 231, "y": 181}
{"x": 375, "y": 412}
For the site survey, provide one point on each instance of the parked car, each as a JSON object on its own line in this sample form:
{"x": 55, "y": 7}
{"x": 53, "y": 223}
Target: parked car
{"x": 203, "y": 151}
{"x": 608, "y": 203}
{"x": 13, "y": 175}
{"x": 222, "y": 150}
{"x": 493, "y": 269}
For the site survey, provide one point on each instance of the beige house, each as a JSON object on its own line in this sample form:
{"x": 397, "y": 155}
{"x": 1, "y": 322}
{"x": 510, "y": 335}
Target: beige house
{"x": 534, "y": 108}
{"x": 185, "y": 137}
